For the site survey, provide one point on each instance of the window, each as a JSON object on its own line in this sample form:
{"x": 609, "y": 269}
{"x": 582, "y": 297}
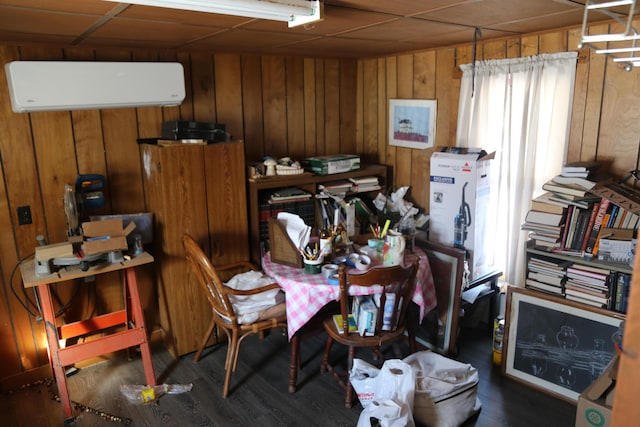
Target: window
{"x": 521, "y": 109}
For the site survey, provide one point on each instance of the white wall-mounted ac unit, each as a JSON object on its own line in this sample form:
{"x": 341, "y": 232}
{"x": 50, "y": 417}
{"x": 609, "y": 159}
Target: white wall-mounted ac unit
{"x": 73, "y": 85}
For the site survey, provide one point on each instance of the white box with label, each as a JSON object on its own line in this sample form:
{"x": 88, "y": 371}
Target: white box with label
{"x": 460, "y": 197}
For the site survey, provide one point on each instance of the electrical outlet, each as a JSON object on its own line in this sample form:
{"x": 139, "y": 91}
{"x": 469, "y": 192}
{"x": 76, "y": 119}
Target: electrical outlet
{"x": 24, "y": 215}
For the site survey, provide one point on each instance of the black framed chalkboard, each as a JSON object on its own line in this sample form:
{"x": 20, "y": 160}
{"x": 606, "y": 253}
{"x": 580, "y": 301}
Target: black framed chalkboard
{"x": 556, "y": 345}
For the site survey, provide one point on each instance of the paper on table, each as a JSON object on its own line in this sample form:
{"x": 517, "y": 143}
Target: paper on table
{"x": 471, "y": 295}
{"x": 297, "y": 230}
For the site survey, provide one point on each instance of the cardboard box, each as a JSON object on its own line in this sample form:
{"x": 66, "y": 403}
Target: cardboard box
{"x": 460, "y": 205}
{"x": 105, "y": 236}
{"x": 366, "y": 313}
{"x": 615, "y": 245}
{"x": 337, "y": 163}
{"x": 595, "y": 402}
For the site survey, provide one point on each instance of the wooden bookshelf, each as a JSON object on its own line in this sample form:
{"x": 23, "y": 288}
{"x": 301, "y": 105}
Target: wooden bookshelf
{"x": 257, "y": 187}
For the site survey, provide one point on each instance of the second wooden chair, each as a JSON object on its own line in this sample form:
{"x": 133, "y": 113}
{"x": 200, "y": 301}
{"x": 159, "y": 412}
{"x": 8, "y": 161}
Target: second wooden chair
{"x": 396, "y": 285}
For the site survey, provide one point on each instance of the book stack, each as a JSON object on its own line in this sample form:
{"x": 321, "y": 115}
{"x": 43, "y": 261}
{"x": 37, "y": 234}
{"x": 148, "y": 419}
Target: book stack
{"x": 573, "y": 185}
{"x": 588, "y": 285}
{"x": 545, "y": 224}
{"x": 339, "y": 322}
{"x": 547, "y": 275}
{"x": 365, "y": 312}
{"x": 288, "y": 195}
{"x": 586, "y": 214}
{"x": 340, "y": 187}
{"x": 620, "y": 292}
{"x": 364, "y": 184}
{"x": 582, "y": 169}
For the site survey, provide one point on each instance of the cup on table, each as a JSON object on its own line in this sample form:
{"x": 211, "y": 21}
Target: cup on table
{"x": 393, "y": 252}
{"x": 329, "y": 270}
{"x": 313, "y": 266}
{"x": 377, "y": 245}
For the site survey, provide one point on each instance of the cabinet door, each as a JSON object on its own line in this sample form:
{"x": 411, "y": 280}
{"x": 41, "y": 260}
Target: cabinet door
{"x": 227, "y": 202}
{"x": 176, "y": 194}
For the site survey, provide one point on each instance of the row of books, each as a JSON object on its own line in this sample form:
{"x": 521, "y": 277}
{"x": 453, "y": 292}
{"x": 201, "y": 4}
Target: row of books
{"x": 574, "y": 223}
{"x": 594, "y": 286}
{"x": 351, "y": 185}
{"x": 364, "y": 314}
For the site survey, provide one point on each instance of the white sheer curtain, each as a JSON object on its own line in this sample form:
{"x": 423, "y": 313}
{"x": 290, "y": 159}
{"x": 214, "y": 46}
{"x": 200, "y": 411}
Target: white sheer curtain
{"x": 521, "y": 109}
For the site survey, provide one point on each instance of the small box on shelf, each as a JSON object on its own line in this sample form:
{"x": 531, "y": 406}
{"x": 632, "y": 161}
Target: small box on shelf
{"x": 336, "y": 163}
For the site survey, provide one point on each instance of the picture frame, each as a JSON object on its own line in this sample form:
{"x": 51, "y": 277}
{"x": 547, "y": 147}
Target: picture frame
{"x": 412, "y": 123}
{"x": 439, "y": 329}
{"x": 556, "y": 345}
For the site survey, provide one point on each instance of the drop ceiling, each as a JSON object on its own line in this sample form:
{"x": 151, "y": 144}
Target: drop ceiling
{"x": 351, "y": 28}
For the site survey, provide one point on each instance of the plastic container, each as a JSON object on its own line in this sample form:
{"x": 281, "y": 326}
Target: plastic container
{"x": 313, "y": 266}
{"x": 498, "y": 336}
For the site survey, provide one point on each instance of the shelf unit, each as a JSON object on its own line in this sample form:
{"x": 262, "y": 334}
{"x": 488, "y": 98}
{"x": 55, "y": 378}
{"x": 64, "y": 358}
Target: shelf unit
{"x": 306, "y": 181}
{"x": 534, "y": 251}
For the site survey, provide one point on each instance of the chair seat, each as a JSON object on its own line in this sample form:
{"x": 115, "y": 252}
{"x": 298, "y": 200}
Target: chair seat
{"x": 356, "y": 340}
{"x": 275, "y": 311}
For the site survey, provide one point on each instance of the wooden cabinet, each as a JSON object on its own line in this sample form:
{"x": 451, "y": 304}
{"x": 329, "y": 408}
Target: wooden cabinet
{"x": 257, "y": 187}
{"x": 199, "y": 190}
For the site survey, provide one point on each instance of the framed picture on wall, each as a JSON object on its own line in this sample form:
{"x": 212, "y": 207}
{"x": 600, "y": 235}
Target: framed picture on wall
{"x": 412, "y": 122}
{"x": 556, "y": 345}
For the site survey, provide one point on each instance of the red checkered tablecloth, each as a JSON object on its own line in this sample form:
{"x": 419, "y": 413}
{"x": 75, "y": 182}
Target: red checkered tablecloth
{"x": 307, "y": 293}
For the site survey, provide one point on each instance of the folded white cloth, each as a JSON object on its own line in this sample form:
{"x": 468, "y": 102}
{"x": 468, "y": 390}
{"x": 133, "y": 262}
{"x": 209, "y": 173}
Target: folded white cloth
{"x": 248, "y": 307}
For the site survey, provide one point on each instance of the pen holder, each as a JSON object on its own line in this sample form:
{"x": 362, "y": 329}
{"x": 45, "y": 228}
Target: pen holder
{"x": 313, "y": 266}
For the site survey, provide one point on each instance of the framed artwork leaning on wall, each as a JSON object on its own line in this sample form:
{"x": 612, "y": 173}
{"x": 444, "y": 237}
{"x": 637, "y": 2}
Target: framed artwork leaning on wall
{"x": 556, "y": 345}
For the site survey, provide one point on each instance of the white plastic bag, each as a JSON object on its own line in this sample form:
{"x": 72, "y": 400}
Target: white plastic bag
{"x": 139, "y": 394}
{"x": 385, "y": 413}
{"x": 364, "y": 379}
{"x": 386, "y": 393}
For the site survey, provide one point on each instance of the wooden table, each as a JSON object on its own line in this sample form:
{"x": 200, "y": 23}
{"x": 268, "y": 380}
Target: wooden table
{"x": 307, "y": 294}
{"x": 134, "y": 333}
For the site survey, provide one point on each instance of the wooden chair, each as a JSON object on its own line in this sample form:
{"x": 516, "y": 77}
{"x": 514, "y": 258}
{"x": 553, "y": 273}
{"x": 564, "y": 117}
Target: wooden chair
{"x": 398, "y": 281}
{"x": 224, "y": 315}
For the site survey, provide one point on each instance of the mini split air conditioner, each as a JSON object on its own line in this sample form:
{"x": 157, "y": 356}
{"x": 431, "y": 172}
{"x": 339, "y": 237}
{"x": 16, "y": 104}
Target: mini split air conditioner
{"x": 71, "y": 85}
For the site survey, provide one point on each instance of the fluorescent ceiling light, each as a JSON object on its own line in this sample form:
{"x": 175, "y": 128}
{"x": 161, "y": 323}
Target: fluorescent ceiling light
{"x": 295, "y": 12}
{"x": 623, "y": 12}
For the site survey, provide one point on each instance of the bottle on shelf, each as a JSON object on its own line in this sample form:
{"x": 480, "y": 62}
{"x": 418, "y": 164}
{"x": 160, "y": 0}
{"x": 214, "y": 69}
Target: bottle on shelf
{"x": 326, "y": 241}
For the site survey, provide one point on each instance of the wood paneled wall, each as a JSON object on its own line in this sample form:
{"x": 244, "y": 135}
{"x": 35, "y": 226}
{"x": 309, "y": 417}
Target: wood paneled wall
{"x": 279, "y": 106}
{"x": 604, "y": 122}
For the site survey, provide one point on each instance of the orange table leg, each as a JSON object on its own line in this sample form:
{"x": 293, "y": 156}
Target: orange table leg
{"x": 138, "y": 319}
{"x": 54, "y": 349}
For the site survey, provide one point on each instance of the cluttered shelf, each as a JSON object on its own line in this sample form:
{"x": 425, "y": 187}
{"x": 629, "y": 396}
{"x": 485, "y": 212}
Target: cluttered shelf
{"x": 582, "y": 237}
{"x": 544, "y": 251}
{"x": 275, "y": 181}
{"x": 589, "y": 282}
{"x": 263, "y": 204}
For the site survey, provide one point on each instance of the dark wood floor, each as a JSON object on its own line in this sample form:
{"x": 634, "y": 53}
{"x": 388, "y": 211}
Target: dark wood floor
{"x": 259, "y": 394}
